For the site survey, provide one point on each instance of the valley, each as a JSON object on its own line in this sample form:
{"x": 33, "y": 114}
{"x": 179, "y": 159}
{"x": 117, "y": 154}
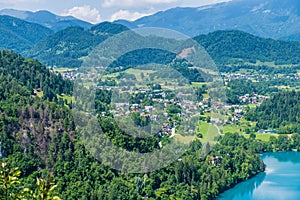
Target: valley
{"x": 80, "y": 121}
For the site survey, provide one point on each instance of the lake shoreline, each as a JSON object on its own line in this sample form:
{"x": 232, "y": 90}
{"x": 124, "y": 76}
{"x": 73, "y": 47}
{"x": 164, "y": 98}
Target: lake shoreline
{"x": 280, "y": 166}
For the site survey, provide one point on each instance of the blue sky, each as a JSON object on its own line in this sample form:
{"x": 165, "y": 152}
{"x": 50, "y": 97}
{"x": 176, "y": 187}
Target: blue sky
{"x": 103, "y": 10}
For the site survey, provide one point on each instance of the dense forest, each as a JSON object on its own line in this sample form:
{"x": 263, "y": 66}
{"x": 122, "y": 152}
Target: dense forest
{"x": 18, "y": 35}
{"x": 237, "y": 47}
{"x": 281, "y": 112}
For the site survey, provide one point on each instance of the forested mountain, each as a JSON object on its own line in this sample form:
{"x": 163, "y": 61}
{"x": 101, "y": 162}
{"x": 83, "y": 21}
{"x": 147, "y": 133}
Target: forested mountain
{"x": 46, "y": 18}
{"x": 233, "y": 47}
{"x": 66, "y": 47}
{"x": 108, "y": 29}
{"x": 19, "y": 35}
{"x": 265, "y": 18}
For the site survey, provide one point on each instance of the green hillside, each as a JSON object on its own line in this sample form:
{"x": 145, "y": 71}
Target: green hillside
{"x": 66, "y": 48}
{"x": 19, "y": 35}
{"x": 237, "y": 47}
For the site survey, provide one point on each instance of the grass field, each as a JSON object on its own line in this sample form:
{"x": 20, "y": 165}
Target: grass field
{"x": 185, "y": 139}
{"x": 61, "y": 70}
{"x": 252, "y": 105}
{"x": 138, "y": 72}
{"x": 208, "y": 131}
{"x": 269, "y": 64}
{"x": 198, "y": 84}
{"x": 265, "y": 137}
{"x": 231, "y": 129}
{"x": 240, "y": 130}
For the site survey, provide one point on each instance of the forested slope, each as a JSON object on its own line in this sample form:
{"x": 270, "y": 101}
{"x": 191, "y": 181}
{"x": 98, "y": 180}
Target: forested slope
{"x": 37, "y": 134}
{"x": 281, "y": 111}
{"x": 237, "y": 47}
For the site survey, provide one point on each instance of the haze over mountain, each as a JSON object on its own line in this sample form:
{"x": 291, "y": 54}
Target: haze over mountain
{"x": 46, "y": 18}
{"x": 19, "y": 35}
{"x": 265, "y": 18}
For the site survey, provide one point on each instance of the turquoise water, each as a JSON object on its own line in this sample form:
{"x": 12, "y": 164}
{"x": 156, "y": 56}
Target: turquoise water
{"x": 280, "y": 181}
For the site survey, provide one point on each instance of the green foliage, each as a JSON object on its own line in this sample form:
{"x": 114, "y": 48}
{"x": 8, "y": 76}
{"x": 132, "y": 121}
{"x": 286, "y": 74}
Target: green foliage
{"x": 12, "y": 188}
{"x": 143, "y": 56}
{"x": 280, "y": 111}
{"x": 173, "y": 109}
{"x": 9, "y": 179}
{"x": 107, "y": 28}
{"x": 32, "y": 74}
{"x": 240, "y": 87}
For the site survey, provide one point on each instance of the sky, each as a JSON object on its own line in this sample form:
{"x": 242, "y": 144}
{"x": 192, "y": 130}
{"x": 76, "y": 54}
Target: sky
{"x": 96, "y": 11}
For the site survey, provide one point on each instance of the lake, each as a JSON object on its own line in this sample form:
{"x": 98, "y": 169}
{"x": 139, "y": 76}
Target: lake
{"x": 280, "y": 181}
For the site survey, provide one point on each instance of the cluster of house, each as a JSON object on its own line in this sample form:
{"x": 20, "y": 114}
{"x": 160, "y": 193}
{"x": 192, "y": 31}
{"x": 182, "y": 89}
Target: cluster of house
{"x": 253, "y": 98}
{"x": 72, "y": 74}
{"x": 229, "y": 76}
{"x": 158, "y": 111}
{"x": 267, "y": 131}
{"x": 204, "y": 104}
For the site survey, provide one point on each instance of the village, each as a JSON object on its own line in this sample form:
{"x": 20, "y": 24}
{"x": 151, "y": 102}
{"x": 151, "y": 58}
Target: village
{"x": 170, "y": 108}
{"x": 158, "y": 105}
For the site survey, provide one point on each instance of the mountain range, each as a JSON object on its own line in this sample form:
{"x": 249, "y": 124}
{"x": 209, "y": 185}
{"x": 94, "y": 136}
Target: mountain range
{"x": 46, "y": 18}
{"x": 265, "y": 18}
{"x": 67, "y": 48}
{"x": 65, "y": 41}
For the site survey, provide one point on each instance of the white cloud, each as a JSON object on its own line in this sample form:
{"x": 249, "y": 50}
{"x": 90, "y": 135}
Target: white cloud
{"x": 125, "y": 14}
{"x": 85, "y": 13}
{"x": 134, "y": 9}
{"x": 134, "y": 3}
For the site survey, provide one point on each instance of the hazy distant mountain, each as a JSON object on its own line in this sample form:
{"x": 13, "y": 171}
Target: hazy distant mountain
{"x": 265, "y": 18}
{"x": 46, "y": 19}
{"x": 19, "y": 35}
